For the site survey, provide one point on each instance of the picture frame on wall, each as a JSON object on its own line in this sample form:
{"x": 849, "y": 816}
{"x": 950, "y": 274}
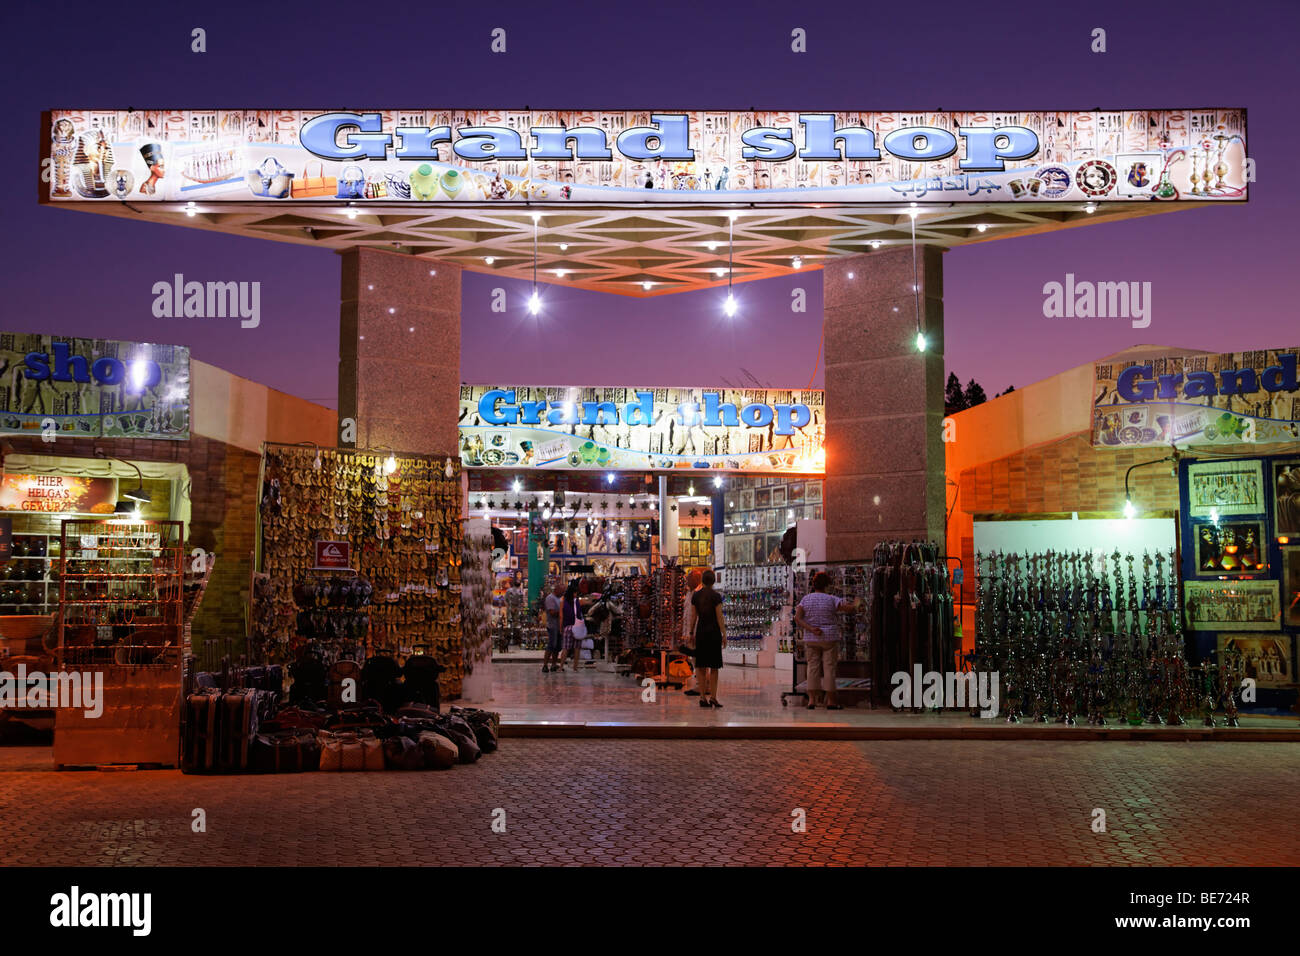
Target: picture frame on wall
{"x": 778, "y": 496}
{"x": 760, "y": 549}
{"x": 794, "y": 493}
{"x": 739, "y": 549}
{"x": 1232, "y": 605}
{"x": 1267, "y": 656}
{"x": 747, "y": 499}
{"x": 769, "y": 519}
{"x": 762, "y": 497}
{"x": 812, "y": 493}
{"x": 1230, "y": 547}
{"x": 1291, "y": 586}
{"x": 1225, "y": 487}
{"x": 1284, "y": 479}
{"x": 817, "y": 513}
{"x": 774, "y": 545}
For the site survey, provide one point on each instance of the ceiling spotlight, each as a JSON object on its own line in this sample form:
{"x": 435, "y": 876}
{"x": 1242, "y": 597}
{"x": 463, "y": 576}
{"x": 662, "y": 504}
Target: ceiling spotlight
{"x": 850, "y": 275}
{"x": 352, "y": 213}
{"x": 489, "y": 260}
{"x": 190, "y": 210}
{"x": 646, "y": 285}
{"x": 534, "y": 303}
{"x": 1090, "y": 208}
{"x": 390, "y": 465}
{"x": 433, "y": 272}
{"x": 712, "y": 246}
{"x": 913, "y": 212}
{"x": 561, "y": 272}
{"x": 720, "y": 272}
{"x": 536, "y": 216}
{"x": 517, "y": 486}
{"x": 875, "y": 243}
{"x": 729, "y": 306}
{"x": 609, "y": 478}
{"x": 981, "y": 227}
{"x": 564, "y": 246}
{"x": 717, "y": 481}
{"x": 392, "y": 311}
{"x": 797, "y": 262}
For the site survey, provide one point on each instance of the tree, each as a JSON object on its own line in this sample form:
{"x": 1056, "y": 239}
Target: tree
{"x": 953, "y": 399}
{"x": 1010, "y": 389}
{"x": 974, "y": 394}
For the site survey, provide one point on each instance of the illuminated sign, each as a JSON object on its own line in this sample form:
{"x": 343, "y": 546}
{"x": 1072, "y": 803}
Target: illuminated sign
{"x": 58, "y": 494}
{"x": 620, "y": 428}
{"x": 662, "y": 156}
{"x": 58, "y": 387}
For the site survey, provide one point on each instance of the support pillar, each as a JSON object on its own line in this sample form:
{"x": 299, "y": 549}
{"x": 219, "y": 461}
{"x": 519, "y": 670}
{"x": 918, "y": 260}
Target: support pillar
{"x": 884, "y": 402}
{"x": 402, "y": 387}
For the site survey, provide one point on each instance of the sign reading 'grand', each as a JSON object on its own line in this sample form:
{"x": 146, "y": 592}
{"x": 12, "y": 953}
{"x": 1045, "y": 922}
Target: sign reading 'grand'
{"x": 1198, "y": 398}
{"x": 557, "y": 156}
{"x": 642, "y": 429}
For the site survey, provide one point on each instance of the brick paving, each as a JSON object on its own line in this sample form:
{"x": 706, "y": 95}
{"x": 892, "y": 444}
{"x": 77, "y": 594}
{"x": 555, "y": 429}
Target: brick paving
{"x": 707, "y": 803}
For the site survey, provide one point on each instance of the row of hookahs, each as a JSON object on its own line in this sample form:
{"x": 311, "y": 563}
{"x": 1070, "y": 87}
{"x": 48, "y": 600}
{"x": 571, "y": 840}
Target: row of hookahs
{"x": 1085, "y": 635}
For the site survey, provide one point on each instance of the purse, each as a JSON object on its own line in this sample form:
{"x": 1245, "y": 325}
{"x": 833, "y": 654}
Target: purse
{"x": 311, "y": 186}
{"x": 377, "y": 189}
{"x": 352, "y": 183}
{"x": 269, "y": 180}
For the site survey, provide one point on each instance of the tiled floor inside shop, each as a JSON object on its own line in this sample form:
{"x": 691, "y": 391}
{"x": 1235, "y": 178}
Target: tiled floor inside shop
{"x": 599, "y": 702}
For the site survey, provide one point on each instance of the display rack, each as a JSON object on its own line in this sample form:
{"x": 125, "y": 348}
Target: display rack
{"x": 122, "y": 615}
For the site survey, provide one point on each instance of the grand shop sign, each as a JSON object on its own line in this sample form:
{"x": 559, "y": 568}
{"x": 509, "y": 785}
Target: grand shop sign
{"x": 642, "y": 429}
{"x": 626, "y": 156}
{"x": 1198, "y": 398}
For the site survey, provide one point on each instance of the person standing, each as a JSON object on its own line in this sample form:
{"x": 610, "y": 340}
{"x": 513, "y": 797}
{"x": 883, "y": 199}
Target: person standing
{"x": 554, "y": 605}
{"x": 710, "y": 638}
{"x": 693, "y": 579}
{"x": 569, "y": 614}
{"x": 816, "y": 616}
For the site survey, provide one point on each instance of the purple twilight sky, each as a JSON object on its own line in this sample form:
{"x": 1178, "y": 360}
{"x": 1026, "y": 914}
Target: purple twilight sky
{"x": 1219, "y": 276}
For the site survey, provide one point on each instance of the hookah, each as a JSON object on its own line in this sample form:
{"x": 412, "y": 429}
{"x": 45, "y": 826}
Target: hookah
{"x": 1166, "y": 189}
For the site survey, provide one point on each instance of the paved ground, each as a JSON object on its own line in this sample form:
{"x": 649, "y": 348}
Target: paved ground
{"x": 572, "y": 803}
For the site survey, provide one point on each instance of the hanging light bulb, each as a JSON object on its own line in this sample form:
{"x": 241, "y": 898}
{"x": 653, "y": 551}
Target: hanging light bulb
{"x": 518, "y": 485}
{"x": 920, "y": 341}
{"x": 609, "y": 478}
{"x": 729, "y": 306}
{"x": 1130, "y": 510}
{"x": 534, "y": 303}
{"x": 390, "y": 465}
{"x": 717, "y": 481}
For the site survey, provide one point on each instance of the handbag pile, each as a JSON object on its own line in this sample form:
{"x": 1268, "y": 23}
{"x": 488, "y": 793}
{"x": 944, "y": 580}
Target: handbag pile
{"x": 245, "y": 729}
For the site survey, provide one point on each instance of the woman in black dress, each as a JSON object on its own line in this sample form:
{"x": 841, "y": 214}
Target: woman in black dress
{"x": 710, "y": 638}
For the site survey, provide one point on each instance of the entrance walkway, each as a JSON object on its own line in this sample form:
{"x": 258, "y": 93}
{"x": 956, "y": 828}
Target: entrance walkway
{"x": 594, "y": 703}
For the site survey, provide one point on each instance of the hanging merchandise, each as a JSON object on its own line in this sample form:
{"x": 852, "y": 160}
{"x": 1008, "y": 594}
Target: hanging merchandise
{"x": 476, "y": 596}
{"x": 911, "y": 606}
{"x": 401, "y": 532}
{"x": 1078, "y": 635}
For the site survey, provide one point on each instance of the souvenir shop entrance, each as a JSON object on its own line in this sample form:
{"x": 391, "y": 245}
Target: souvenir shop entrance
{"x": 645, "y": 204}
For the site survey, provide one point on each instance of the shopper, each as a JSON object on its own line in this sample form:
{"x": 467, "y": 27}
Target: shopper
{"x": 710, "y": 633}
{"x": 569, "y": 614}
{"x": 693, "y": 582}
{"x": 554, "y": 606}
{"x": 816, "y": 617}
